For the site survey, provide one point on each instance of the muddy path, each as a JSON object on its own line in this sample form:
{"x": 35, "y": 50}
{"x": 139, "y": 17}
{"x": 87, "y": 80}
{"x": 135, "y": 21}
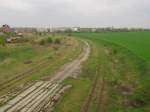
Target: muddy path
{"x": 34, "y": 98}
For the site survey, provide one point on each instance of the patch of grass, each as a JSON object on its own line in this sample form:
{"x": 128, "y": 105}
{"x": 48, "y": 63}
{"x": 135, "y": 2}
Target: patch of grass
{"x": 73, "y": 99}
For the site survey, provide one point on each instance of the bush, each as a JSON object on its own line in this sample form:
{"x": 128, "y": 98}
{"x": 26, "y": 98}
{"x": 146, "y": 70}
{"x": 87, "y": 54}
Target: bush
{"x": 21, "y": 40}
{"x": 2, "y": 41}
{"x": 49, "y": 40}
{"x": 115, "y": 51}
{"x": 57, "y": 41}
{"x": 42, "y": 42}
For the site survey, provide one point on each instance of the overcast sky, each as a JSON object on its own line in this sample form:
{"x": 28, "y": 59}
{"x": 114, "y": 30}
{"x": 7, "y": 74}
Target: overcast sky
{"x": 83, "y": 13}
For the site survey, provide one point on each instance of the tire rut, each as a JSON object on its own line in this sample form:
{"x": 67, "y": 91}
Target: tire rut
{"x": 96, "y": 94}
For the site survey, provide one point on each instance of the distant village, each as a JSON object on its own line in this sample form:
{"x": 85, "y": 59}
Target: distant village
{"x": 7, "y": 29}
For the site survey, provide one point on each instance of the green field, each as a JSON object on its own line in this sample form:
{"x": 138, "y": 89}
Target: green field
{"x": 137, "y": 42}
{"x": 120, "y": 63}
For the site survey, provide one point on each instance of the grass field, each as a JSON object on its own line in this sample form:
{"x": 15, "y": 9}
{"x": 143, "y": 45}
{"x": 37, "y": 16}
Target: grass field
{"x": 118, "y": 69}
{"x": 22, "y": 63}
{"x": 137, "y": 42}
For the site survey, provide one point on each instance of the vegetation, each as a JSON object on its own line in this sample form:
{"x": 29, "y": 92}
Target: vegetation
{"x": 115, "y": 78}
{"x": 2, "y": 41}
{"x": 25, "y": 57}
{"x": 123, "y": 74}
{"x": 58, "y": 41}
{"x": 50, "y": 40}
{"x": 42, "y": 42}
{"x": 136, "y": 42}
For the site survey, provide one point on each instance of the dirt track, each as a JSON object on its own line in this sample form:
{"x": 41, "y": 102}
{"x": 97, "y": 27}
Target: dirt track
{"x": 72, "y": 67}
{"x": 32, "y": 99}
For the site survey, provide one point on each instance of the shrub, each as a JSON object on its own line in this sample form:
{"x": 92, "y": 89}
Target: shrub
{"x": 57, "y": 41}
{"x": 2, "y": 41}
{"x": 42, "y": 42}
{"x": 49, "y": 40}
{"x": 115, "y": 51}
{"x": 69, "y": 34}
{"x": 21, "y": 40}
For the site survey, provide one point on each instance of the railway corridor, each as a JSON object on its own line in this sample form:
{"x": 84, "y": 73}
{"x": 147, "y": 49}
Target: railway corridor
{"x": 36, "y": 97}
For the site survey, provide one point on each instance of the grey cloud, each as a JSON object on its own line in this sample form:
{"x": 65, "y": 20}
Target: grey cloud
{"x": 84, "y": 13}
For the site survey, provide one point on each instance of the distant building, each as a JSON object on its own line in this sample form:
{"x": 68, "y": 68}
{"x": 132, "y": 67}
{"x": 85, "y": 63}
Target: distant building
{"x": 64, "y": 29}
{"x": 75, "y": 29}
{"x": 24, "y": 30}
{"x": 42, "y": 30}
{"x": 85, "y": 29}
{"x": 6, "y": 28}
{"x": 59, "y": 29}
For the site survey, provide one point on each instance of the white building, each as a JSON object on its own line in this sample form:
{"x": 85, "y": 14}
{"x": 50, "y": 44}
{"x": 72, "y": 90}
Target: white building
{"x": 75, "y": 29}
